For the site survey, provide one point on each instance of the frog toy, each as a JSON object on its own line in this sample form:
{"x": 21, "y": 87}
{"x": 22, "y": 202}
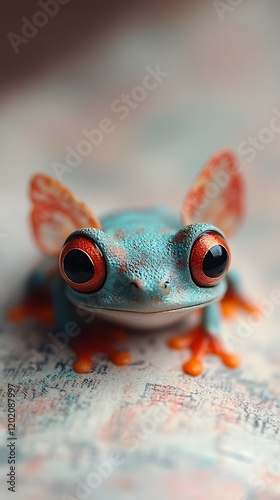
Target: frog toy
{"x": 139, "y": 269}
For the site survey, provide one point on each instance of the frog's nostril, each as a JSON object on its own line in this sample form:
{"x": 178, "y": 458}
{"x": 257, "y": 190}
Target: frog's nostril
{"x": 164, "y": 287}
{"x": 159, "y": 289}
{"x": 135, "y": 284}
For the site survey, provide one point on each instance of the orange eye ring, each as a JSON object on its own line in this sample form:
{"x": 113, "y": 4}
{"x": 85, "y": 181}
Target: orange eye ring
{"x": 210, "y": 259}
{"x": 82, "y": 265}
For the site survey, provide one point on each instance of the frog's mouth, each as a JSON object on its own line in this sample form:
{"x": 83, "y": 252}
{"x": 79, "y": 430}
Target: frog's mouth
{"x": 146, "y": 320}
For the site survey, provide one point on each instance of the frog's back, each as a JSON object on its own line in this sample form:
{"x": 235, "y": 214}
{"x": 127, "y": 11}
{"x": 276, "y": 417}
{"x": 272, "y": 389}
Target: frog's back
{"x": 158, "y": 219}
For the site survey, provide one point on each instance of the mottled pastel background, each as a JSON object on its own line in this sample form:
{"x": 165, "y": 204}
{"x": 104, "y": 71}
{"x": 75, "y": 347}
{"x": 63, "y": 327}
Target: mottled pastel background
{"x": 214, "y": 437}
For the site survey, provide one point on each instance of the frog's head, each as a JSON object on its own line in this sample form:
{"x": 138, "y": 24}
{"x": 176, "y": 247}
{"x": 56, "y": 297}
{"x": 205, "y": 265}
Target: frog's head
{"x": 145, "y": 271}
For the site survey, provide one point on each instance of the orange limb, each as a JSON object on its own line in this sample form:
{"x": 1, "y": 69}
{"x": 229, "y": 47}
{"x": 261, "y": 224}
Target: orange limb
{"x": 37, "y": 306}
{"x": 201, "y": 343}
{"x": 89, "y": 343}
{"x": 233, "y": 302}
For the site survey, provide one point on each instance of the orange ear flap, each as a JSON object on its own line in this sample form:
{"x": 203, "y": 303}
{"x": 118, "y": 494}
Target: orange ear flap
{"x": 56, "y": 213}
{"x": 217, "y": 196}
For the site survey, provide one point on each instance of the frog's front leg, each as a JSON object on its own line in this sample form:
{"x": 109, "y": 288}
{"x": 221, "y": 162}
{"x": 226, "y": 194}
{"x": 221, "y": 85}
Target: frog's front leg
{"x": 99, "y": 338}
{"x": 203, "y": 340}
{"x": 234, "y": 301}
{"x": 93, "y": 336}
{"x": 37, "y": 302}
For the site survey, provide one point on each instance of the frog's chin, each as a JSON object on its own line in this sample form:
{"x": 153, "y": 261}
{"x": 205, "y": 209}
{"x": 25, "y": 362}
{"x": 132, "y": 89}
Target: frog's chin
{"x": 144, "y": 320}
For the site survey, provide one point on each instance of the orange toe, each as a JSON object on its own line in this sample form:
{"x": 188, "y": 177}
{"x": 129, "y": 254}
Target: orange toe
{"x": 231, "y": 360}
{"x": 121, "y": 358}
{"x": 193, "y": 367}
{"x": 83, "y": 366}
{"x": 180, "y": 342}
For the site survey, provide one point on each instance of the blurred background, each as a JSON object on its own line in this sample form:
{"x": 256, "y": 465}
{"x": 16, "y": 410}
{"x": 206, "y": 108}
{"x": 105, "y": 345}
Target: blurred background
{"x": 65, "y": 66}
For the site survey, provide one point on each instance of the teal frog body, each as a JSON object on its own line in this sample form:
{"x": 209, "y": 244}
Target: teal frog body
{"x": 141, "y": 269}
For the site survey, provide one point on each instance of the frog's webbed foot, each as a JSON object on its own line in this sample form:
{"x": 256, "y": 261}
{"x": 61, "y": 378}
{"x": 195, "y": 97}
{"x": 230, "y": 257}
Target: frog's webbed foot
{"x": 203, "y": 340}
{"x": 201, "y": 343}
{"x": 37, "y": 306}
{"x": 234, "y": 302}
{"x": 38, "y": 302}
{"x": 101, "y": 340}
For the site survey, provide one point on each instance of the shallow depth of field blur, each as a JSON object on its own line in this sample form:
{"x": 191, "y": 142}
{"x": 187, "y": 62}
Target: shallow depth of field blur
{"x": 220, "y": 89}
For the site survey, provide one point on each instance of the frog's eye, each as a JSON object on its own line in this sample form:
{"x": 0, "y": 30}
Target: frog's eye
{"x": 82, "y": 264}
{"x": 210, "y": 259}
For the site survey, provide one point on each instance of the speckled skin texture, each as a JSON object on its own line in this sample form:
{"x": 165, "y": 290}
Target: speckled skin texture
{"x": 147, "y": 258}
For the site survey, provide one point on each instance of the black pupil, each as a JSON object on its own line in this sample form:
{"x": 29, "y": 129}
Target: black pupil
{"x": 215, "y": 262}
{"x": 78, "y": 266}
